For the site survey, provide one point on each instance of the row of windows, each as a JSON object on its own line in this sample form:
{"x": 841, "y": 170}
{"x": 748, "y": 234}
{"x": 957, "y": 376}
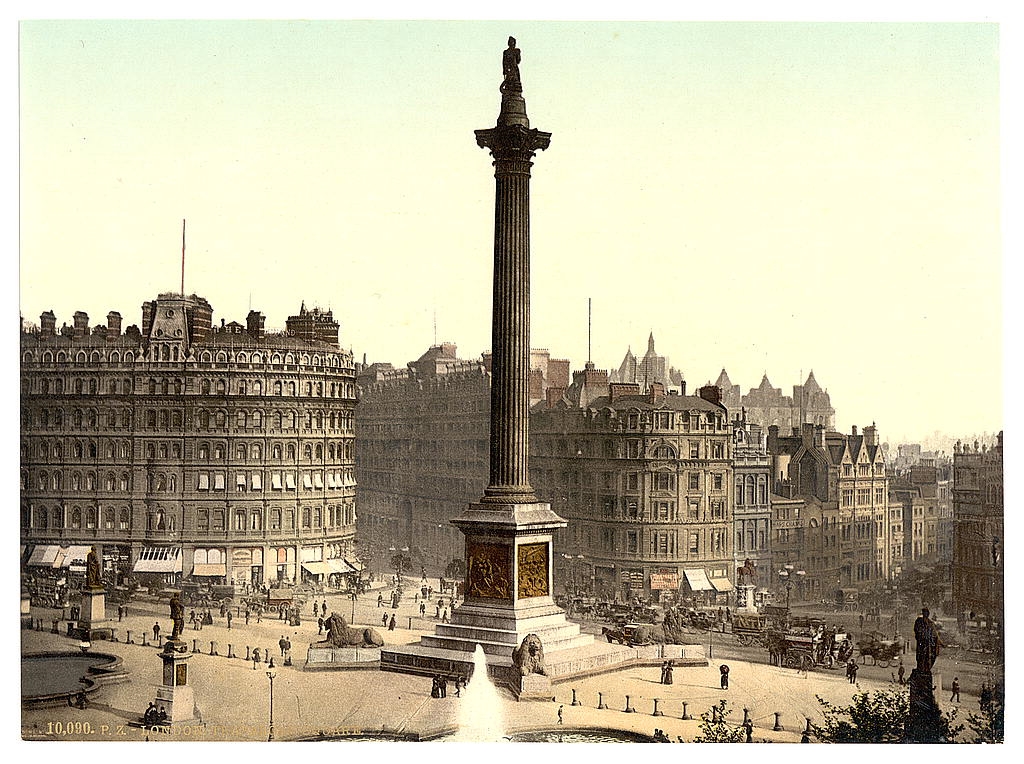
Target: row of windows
{"x": 634, "y": 449}
{"x": 164, "y": 419}
{"x": 216, "y": 481}
{"x": 670, "y": 420}
{"x": 863, "y": 497}
{"x": 864, "y": 469}
{"x": 329, "y": 360}
{"x": 76, "y": 518}
{"x": 659, "y": 543}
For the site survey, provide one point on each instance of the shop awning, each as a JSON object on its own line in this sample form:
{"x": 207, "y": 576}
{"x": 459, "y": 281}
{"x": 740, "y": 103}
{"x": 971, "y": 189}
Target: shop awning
{"x": 339, "y": 565}
{"x": 44, "y": 556}
{"x": 722, "y": 584}
{"x": 75, "y": 554}
{"x": 697, "y": 579}
{"x": 158, "y": 559}
{"x": 209, "y": 569}
{"x": 356, "y": 565}
{"x": 317, "y": 568}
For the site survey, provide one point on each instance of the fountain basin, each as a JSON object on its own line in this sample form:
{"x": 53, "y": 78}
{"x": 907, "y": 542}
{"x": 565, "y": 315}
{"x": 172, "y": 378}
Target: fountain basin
{"x": 50, "y": 679}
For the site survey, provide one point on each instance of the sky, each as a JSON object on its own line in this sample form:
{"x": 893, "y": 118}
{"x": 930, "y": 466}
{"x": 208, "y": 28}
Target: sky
{"x": 763, "y": 197}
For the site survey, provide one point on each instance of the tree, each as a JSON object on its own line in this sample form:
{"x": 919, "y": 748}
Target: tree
{"x": 401, "y": 563}
{"x": 878, "y": 717}
{"x": 715, "y": 729}
{"x": 988, "y": 725}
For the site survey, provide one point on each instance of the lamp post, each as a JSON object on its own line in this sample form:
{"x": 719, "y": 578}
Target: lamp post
{"x": 786, "y": 576}
{"x": 271, "y": 673}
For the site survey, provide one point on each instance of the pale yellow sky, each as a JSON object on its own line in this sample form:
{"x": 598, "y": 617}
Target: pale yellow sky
{"x": 764, "y": 197}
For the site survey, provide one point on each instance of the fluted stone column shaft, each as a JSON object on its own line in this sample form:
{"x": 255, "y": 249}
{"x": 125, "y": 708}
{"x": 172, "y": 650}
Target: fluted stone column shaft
{"x": 512, "y": 147}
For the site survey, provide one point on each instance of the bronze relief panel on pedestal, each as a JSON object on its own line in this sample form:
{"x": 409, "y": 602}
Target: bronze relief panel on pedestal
{"x": 489, "y": 571}
{"x": 533, "y": 570}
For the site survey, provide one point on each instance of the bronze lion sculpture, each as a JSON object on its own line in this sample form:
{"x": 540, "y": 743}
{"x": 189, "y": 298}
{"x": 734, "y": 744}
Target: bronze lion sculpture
{"x": 528, "y": 658}
{"x": 340, "y": 634}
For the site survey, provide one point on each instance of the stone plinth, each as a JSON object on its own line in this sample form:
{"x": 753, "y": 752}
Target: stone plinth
{"x": 92, "y": 622}
{"x": 925, "y": 722}
{"x": 175, "y": 695}
{"x": 745, "y": 599}
{"x": 535, "y": 687}
{"x": 320, "y": 657}
{"x": 26, "y": 610}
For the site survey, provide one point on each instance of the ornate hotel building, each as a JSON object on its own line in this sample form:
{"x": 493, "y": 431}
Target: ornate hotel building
{"x": 646, "y": 483}
{"x": 183, "y": 448}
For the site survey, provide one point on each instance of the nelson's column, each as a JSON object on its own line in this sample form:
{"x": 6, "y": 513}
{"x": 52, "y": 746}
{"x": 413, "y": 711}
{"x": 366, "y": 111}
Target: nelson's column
{"x": 508, "y": 533}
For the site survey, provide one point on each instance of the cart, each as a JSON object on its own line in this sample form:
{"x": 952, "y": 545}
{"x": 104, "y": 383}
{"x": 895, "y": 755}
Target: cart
{"x": 883, "y": 652}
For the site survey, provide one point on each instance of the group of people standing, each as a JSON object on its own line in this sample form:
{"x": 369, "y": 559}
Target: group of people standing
{"x": 439, "y": 688}
{"x": 666, "y": 672}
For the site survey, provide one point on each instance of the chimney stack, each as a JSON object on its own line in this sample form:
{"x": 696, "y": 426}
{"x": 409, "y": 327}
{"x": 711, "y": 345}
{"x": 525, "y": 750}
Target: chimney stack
{"x": 113, "y": 324}
{"x": 81, "y": 321}
{"x": 254, "y": 324}
{"x": 47, "y": 324}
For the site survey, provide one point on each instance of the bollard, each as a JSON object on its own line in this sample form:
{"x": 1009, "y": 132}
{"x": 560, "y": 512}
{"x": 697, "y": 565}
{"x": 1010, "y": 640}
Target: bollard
{"x": 629, "y": 709}
{"x": 686, "y": 714}
{"x": 656, "y": 711}
{"x": 574, "y": 701}
{"x": 213, "y": 647}
{"x": 247, "y": 653}
{"x": 410, "y": 622}
{"x": 600, "y": 701}
{"x": 195, "y": 645}
{"x": 56, "y": 629}
{"x": 714, "y": 714}
{"x": 145, "y": 640}
{"x": 778, "y": 722}
{"x": 231, "y": 651}
{"x": 266, "y": 656}
{"x": 128, "y": 636}
{"x": 746, "y": 715}
{"x": 807, "y": 729}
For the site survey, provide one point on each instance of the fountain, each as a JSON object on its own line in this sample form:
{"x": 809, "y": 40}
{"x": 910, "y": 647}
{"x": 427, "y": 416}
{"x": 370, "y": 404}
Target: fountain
{"x": 481, "y": 719}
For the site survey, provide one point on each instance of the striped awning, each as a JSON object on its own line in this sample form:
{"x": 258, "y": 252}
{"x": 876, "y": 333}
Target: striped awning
{"x": 158, "y": 559}
{"x": 75, "y": 554}
{"x": 697, "y": 578}
{"x": 44, "y": 556}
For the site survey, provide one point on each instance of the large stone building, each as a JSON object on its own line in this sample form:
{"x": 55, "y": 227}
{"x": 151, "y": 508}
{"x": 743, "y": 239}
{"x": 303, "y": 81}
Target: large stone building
{"x": 183, "y": 449}
{"x": 645, "y": 482}
{"x": 423, "y": 434}
{"x": 766, "y": 405}
{"x": 979, "y": 544}
{"x": 844, "y": 531}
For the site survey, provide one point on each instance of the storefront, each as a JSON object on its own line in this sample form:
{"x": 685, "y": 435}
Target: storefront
{"x": 722, "y": 588}
{"x": 284, "y": 566}
{"x": 697, "y": 587}
{"x": 210, "y": 565}
{"x": 160, "y": 563}
{"x": 247, "y": 565}
{"x": 665, "y": 585}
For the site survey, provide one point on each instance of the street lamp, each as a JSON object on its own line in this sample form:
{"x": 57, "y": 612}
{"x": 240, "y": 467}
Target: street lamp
{"x": 786, "y": 576}
{"x": 271, "y": 673}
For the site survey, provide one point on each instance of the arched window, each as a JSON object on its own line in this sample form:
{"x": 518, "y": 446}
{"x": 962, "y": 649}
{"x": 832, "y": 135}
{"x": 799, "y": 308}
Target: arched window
{"x": 221, "y": 387}
{"x": 291, "y": 451}
{"x": 319, "y": 452}
{"x": 241, "y": 451}
{"x": 739, "y": 491}
{"x": 108, "y": 518}
{"x": 76, "y": 518}
{"x": 123, "y": 482}
{"x": 762, "y": 489}
{"x": 257, "y": 419}
{"x": 257, "y": 451}
{"x": 90, "y": 481}
{"x": 124, "y": 521}
{"x": 76, "y": 481}
{"x": 277, "y": 388}
{"x": 257, "y": 388}
{"x": 204, "y": 387}
{"x": 307, "y": 452}
{"x": 750, "y": 489}
{"x": 108, "y": 482}
{"x": 90, "y": 517}
{"x": 276, "y": 451}
{"x": 41, "y": 517}
{"x": 240, "y": 420}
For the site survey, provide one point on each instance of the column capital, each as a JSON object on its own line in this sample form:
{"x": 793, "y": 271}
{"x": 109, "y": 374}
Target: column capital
{"x": 514, "y": 141}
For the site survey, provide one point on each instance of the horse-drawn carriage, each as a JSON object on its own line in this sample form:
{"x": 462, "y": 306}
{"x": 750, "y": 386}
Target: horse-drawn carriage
{"x": 631, "y": 634}
{"x": 807, "y": 648}
{"x": 883, "y": 652}
{"x": 750, "y": 628}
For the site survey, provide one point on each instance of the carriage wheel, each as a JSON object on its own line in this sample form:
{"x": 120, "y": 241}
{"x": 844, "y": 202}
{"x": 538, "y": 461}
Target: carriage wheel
{"x": 883, "y": 663}
{"x": 746, "y": 639}
{"x": 792, "y": 661}
{"x": 830, "y": 661}
{"x": 806, "y": 663}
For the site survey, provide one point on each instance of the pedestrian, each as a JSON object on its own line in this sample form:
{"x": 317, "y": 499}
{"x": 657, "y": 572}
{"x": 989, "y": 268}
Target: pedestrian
{"x": 668, "y": 672}
{"x": 728, "y": 615}
{"x": 901, "y": 673}
{"x": 862, "y": 620}
{"x": 724, "y": 671}
{"x": 156, "y": 632}
{"x": 458, "y": 687}
{"x": 435, "y": 688}
{"x": 192, "y": 617}
{"x": 444, "y": 686}
{"x": 664, "y": 672}
{"x": 384, "y": 620}
{"x": 444, "y": 616}
{"x": 120, "y": 612}
{"x": 323, "y": 608}
{"x": 416, "y": 598}
{"x": 560, "y": 714}
{"x": 320, "y": 625}
{"x": 255, "y": 657}
{"x": 748, "y": 727}
{"x": 247, "y": 616}
{"x": 853, "y": 671}
{"x": 437, "y": 614}
{"x": 281, "y": 643}
{"x": 956, "y": 690}
{"x": 380, "y": 600}
{"x": 391, "y": 623}
{"x": 229, "y": 620}
{"x": 423, "y": 608}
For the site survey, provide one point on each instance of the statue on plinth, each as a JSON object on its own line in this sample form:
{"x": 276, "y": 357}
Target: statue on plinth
{"x": 177, "y": 618}
{"x": 93, "y": 572}
{"x": 928, "y": 642}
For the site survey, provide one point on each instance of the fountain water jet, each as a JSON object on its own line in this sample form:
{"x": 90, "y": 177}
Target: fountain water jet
{"x": 481, "y": 719}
